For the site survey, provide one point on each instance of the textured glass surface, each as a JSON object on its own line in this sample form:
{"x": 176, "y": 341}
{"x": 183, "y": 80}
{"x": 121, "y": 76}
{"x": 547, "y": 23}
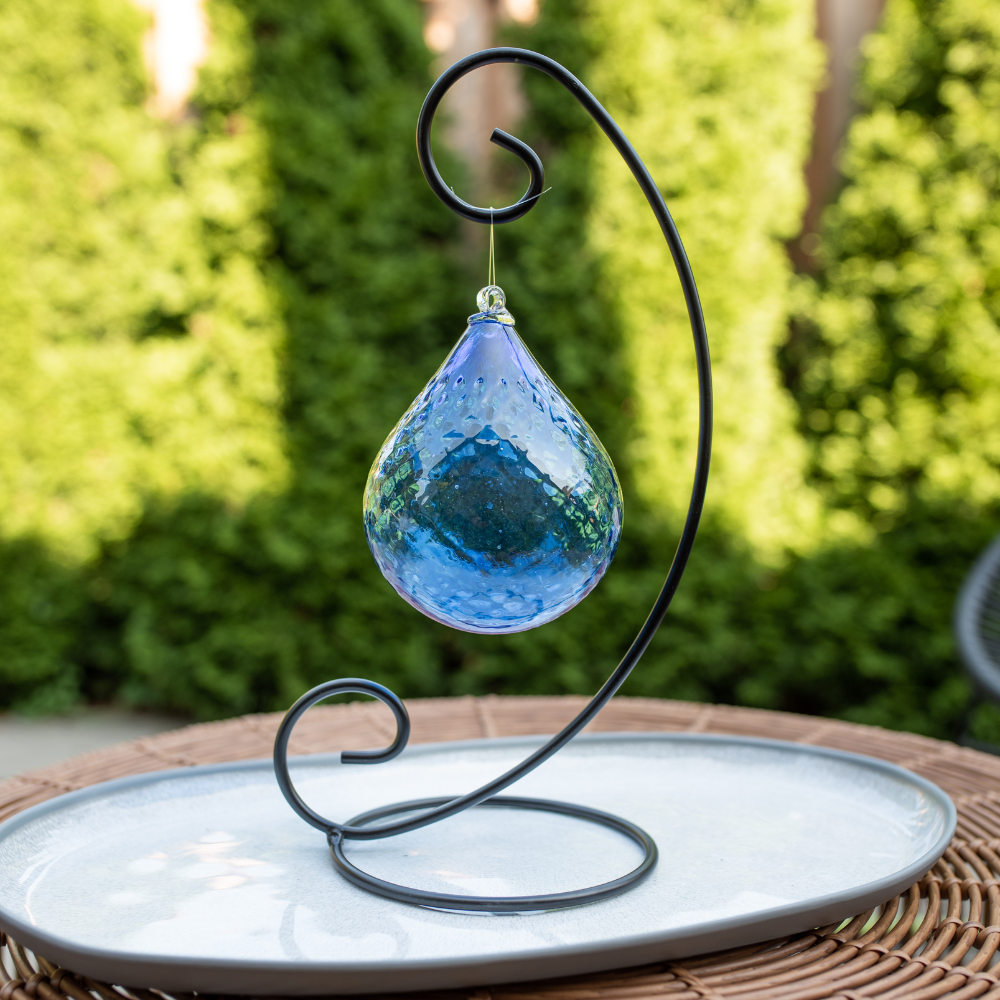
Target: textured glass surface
{"x": 492, "y": 506}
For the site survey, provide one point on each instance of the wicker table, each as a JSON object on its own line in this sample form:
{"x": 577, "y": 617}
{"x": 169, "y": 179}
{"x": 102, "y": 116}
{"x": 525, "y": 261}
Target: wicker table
{"x": 894, "y": 951}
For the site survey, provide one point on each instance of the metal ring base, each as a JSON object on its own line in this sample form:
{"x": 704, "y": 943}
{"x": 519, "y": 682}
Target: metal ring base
{"x": 499, "y": 904}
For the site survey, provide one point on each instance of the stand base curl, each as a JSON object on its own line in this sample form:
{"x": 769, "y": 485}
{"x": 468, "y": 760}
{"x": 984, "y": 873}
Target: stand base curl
{"x": 428, "y": 811}
{"x": 498, "y": 904}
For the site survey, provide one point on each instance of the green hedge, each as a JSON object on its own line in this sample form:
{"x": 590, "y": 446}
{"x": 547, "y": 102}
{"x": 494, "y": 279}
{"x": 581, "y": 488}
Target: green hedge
{"x": 301, "y": 283}
{"x": 140, "y": 335}
{"x": 899, "y": 377}
{"x": 896, "y": 354}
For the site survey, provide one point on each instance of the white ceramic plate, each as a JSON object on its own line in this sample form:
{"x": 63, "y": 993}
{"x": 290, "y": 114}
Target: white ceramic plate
{"x": 204, "y": 879}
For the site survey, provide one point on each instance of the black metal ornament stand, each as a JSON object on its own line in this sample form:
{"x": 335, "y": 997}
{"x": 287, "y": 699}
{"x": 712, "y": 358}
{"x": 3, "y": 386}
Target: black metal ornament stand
{"x": 423, "y": 812}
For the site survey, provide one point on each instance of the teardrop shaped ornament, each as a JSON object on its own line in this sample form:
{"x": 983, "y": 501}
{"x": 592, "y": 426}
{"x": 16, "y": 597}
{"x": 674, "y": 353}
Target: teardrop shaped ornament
{"x": 492, "y": 506}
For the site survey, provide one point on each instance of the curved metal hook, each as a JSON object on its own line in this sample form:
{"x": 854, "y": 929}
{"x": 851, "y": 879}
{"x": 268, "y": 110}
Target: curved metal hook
{"x": 346, "y": 685}
{"x": 499, "y": 138}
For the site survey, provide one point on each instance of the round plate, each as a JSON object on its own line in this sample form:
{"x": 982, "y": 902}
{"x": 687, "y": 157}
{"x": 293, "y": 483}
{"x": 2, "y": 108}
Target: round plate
{"x": 203, "y": 878}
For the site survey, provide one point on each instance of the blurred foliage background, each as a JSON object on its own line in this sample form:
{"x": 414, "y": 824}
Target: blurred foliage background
{"x": 210, "y": 325}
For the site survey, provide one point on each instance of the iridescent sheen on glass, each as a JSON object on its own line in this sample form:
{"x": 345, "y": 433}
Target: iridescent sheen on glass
{"x": 492, "y": 506}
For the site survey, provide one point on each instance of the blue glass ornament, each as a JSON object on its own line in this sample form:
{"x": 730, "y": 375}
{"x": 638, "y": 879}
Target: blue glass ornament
{"x": 492, "y": 506}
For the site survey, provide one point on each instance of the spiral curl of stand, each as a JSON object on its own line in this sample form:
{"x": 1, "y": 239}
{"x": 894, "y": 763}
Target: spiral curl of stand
{"x": 424, "y": 812}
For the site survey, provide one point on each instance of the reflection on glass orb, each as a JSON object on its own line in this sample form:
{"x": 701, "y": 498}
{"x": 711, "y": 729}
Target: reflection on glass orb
{"x": 492, "y": 506}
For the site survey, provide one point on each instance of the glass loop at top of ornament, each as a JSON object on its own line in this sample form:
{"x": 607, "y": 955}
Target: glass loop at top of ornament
{"x": 491, "y": 302}
{"x": 491, "y": 298}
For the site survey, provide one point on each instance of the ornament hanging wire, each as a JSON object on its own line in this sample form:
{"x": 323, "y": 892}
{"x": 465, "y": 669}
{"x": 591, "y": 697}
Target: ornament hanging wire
{"x": 423, "y": 812}
{"x": 491, "y": 271}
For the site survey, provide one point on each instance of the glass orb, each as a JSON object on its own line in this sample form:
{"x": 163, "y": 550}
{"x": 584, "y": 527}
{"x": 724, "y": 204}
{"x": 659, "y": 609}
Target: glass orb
{"x": 492, "y": 506}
